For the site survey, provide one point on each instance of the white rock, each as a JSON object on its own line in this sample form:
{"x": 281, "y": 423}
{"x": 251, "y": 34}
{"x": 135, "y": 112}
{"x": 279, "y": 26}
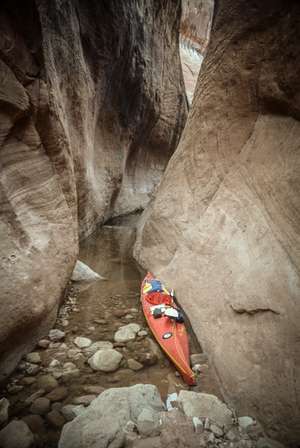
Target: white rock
{"x": 56, "y": 335}
{"x": 205, "y": 405}
{"x": 33, "y": 357}
{"x": 43, "y": 343}
{"x": 69, "y": 366}
{"x": 245, "y": 422}
{"x": 105, "y": 360}
{"x": 196, "y": 368}
{"x": 82, "y": 342}
{"x": 198, "y": 425}
{"x": 99, "y": 345}
{"x": 4, "y": 405}
{"x": 103, "y": 422}
{"x": 143, "y": 333}
{"x": 16, "y": 435}
{"x": 127, "y": 333}
{"x": 84, "y": 274}
{"x": 170, "y": 399}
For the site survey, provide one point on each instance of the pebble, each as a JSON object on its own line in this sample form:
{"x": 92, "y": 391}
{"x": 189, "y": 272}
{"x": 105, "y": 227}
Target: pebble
{"x": 71, "y": 411}
{"x": 33, "y": 358}
{"x": 245, "y": 422}
{"x": 35, "y": 423}
{"x": 69, "y": 366}
{"x": 93, "y": 390}
{"x": 54, "y": 363}
{"x": 196, "y": 368}
{"x": 14, "y": 388}
{"x": 211, "y": 438}
{"x": 134, "y": 310}
{"x": 142, "y": 333}
{"x": 55, "y": 419}
{"x": 119, "y": 313}
{"x": 127, "y": 333}
{"x": 27, "y": 381}
{"x": 232, "y": 435}
{"x": 216, "y": 430}
{"x": 43, "y": 343}
{"x": 58, "y": 394}
{"x": 16, "y": 435}
{"x": 40, "y": 406}
{"x": 4, "y": 405}
{"x": 100, "y": 321}
{"x": 106, "y": 360}
{"x": 99, "y": 345}
{"x": 85, "y": 400}
{"x": 47, "y": 382}
{"x": 56, "y": 406}
{"x": 56, "y": 335}
{"x": 148, "y": 359}
{"x": 82, "y": 342}
{"x": 31, "y": 369}
{"x": 39, "y": 393}
{"x": 54, "y": 345}
{"x": 64, "y": 322}
{"x": 70, "y": 373}
{"x": 134, "y": 365}
{"x": 198, "y": 358}
{"x": 128, "y": 316}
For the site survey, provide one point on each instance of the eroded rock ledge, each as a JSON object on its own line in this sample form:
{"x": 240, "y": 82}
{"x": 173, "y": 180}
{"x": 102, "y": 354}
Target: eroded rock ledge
{"x": 224, "y": 226}
{"x": 92, "y": 105}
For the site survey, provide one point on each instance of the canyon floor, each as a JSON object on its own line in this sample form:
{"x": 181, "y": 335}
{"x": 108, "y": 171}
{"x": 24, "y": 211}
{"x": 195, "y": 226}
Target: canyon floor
{"x": 58, "y": 369}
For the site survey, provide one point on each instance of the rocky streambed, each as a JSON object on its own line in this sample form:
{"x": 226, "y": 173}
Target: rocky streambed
{"x": 100, "y": 340}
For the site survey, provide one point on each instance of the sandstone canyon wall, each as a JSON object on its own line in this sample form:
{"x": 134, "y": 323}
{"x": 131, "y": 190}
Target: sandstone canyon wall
{"x": 92, "y": 105}
{"x": 223, "y": 229}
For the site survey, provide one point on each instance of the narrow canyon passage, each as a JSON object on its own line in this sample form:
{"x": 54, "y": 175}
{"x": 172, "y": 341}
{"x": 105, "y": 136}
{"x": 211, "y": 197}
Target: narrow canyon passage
{"x": 88, "y": 320}
{"x": 144, "y": 136}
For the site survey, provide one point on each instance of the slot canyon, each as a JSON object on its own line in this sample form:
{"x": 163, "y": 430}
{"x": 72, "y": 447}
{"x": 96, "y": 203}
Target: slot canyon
{"x": 160, "y": 136}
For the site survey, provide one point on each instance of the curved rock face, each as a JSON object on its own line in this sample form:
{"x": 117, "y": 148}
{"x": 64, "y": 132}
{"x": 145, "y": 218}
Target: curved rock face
{"x": 91, "y": 107}
{"x": 224, "y": 226}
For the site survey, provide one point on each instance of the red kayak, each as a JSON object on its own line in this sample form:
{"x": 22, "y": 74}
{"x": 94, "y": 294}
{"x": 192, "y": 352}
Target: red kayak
{"x": 166, "y": 322}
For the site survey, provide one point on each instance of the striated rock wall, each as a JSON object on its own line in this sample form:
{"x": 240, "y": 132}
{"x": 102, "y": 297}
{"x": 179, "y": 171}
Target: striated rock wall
{"x": 91, "y": 107}
{"x": 224, "y": 227}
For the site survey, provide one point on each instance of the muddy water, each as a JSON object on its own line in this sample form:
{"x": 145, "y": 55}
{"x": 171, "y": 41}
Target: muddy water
{"x": 96, "y": 313}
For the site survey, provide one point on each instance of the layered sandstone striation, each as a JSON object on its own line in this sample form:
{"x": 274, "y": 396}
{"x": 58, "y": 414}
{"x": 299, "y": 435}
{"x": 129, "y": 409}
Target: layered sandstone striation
{"x": 92, "y": 105}
{"x": 223, "y": 229}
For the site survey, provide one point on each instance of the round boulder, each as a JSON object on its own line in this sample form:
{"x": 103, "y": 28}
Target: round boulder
{"x": 106, "y": 360}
